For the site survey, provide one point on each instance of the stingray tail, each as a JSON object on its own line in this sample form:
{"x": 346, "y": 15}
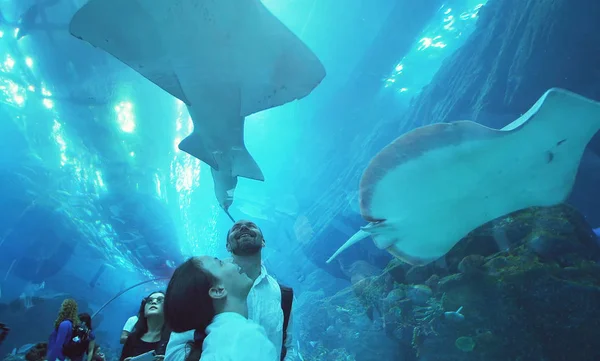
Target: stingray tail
{"x": 194, "y": 146}
{"x": 357, "y": 237}
{"x": 245, "y": 166}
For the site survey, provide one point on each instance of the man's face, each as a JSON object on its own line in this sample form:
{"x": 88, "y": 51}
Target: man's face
{"x": 244, "y": 239}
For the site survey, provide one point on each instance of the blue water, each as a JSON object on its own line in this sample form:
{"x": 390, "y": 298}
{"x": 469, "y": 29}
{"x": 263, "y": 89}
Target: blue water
{"x": 95, "y": 195}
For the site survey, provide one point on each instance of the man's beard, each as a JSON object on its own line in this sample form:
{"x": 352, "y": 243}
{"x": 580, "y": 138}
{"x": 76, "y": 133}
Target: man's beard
{"x": 247, "y": 249}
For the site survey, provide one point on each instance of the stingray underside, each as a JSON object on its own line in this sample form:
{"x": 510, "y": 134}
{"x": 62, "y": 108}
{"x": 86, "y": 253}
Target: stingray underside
{"x": 132, "y": 33}
{"x": 187, "y": 43}
{"x": 243, "y": 45}
{"x": 432, "y": 186}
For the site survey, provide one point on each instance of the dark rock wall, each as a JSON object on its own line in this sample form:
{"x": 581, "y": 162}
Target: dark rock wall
{"x": 519, "y": 49}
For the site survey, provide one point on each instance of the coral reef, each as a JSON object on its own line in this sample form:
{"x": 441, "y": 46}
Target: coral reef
{"x": 522, "y": 287}
{"x": 38, "y": 352}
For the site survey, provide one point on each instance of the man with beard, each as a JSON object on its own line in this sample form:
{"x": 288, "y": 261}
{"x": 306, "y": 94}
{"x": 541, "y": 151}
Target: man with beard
{"x": 269, "y": 303}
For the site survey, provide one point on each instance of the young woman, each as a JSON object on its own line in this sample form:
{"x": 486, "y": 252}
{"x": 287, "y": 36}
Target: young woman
{"x": 63, "y": 329}
{"x": 149, "y": 333}
{"x": 208, "y": 295}
{"x": 86, "y": 319}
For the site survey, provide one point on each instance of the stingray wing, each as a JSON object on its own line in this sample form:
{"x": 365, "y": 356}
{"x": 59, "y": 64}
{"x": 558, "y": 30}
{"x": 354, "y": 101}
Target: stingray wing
{"x": 294, "y": 71}
{"x": 409, "y": 147}
{"x": 241, "y": 44}
{"x": 429, "y": 188}
{"x": 132, "y": 33}
{"x": 200, "y": 44}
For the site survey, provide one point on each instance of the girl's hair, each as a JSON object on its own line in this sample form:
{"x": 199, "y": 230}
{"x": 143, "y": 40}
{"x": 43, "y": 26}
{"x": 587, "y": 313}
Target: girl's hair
{"x": 188, "y": 305}
{"x": 86, "y": 319}
{"x": 140, "y": 313}
{"x": 68, "y": 311}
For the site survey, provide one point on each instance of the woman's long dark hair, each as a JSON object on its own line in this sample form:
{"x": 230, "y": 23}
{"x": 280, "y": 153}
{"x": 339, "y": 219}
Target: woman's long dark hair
{"x": 141, "y": 327}
{"x": 188, "y": 305}
{"x": 86, "y": 319}
{"x": 140, "y": 312}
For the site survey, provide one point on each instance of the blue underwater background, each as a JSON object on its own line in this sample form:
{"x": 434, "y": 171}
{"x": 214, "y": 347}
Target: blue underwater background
{"x": 96, "y": 197}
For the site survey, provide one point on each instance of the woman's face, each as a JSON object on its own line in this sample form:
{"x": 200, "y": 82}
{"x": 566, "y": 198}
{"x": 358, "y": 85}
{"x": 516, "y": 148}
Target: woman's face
{"x": 154, "y": 304}
{"x": 228, "y": 275}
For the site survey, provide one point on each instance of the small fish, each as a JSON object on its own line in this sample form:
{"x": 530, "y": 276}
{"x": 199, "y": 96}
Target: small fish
{"x": 25, "y": 348}
{"x": 454, "y": 316}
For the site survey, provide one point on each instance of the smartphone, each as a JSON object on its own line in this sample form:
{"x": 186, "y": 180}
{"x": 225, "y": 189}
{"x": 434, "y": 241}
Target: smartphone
{"x": 148, "y": 356}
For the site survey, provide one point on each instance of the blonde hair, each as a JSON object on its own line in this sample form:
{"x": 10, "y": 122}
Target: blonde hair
{"x": 68, "y": 311}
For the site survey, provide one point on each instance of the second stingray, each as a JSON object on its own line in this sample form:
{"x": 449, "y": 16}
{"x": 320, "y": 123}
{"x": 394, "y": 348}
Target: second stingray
{"x": 429, "y": 188}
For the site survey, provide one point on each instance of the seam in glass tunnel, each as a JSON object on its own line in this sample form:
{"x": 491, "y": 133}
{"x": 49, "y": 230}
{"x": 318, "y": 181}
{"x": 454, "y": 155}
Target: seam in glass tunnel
{"x": 124, "y": 291}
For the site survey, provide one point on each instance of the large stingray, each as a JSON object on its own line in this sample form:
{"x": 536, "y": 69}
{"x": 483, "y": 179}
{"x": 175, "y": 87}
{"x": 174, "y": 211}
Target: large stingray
{"x": 225, "y": 59}
{"x": 432, "y": 186}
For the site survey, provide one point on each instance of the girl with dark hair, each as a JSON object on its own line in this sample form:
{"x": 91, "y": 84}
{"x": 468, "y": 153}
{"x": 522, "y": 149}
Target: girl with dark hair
{"x": 150, "y": 332}
{"x": 208, "y": 296}
{"x": 86, "y": 319}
